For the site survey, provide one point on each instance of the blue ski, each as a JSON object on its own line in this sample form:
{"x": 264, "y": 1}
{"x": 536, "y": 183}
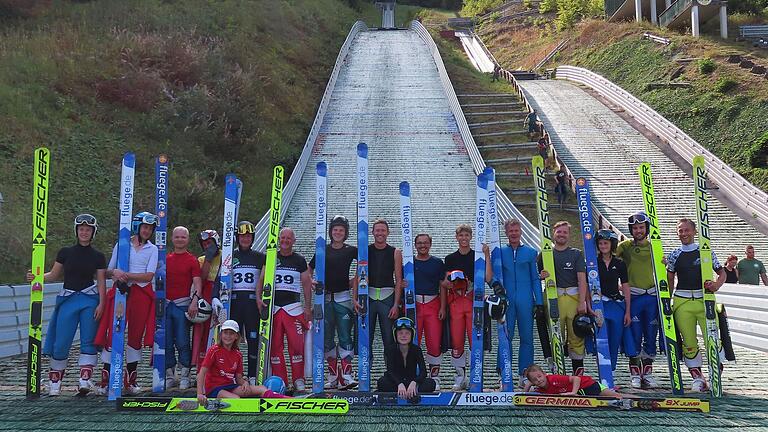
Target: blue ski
{"x": 407, "y": 229}
{"x": 318, "y": 303}
{"x": 363, "y": 336}
{"x": 161, "y": 209}
{"x": 505, "y": 351}
{"x": 231, "y": 194}
{"x": 588, "y": 231}
{"x": 123, "y": 255}
{"x": 478, "y": 304}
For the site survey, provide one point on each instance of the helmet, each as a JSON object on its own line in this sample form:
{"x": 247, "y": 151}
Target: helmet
{"x": 204, "y": 311}
{"x": 638, "y": 218}
{"x": 609, "y": 235}
{"x": 143, "y": 218}
{"x": 495, "y": 306}
{"x": 403, "y": 323}
{"x": 209, "y": 234}
{"x": 86, "y": 219}
{"x": 245, "y": 227}
{"x": 459, "y": 280}
{"x": 339, "y": 220}
{"x": 275, "y": 383}
{"x": 583, "y": 326}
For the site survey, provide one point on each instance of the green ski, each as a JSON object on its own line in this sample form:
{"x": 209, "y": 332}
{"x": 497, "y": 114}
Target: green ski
{"x": 242, "y": 405}
{"x": 42, "y": 171}
{"x": 547, "y": 257}
{"x": 664, "y": 296}
{"x": 265, "y": 329}
{"x": 712, "y": 335}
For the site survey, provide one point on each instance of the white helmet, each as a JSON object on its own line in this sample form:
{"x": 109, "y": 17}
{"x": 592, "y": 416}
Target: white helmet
{"x": 204, "y": 310}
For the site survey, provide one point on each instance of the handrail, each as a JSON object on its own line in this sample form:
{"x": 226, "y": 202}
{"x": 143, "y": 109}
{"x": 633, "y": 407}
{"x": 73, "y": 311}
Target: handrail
{"x": 673, "y": 11}
{"x": 741, "y": 191}
{"x": 260, "y": 238}
{"x": 505, "y": 207}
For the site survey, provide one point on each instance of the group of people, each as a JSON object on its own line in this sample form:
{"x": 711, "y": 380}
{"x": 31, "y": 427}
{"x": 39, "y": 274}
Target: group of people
{"x": 749, "y": 270}
{"x": 443, "y": 291}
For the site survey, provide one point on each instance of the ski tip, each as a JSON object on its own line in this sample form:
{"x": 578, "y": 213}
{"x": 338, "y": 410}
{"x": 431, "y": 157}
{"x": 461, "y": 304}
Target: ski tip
{"x": 322, "y": 169}
{"x": 129, "y": 159}
{"x": 405, "y": 188}
{"x": 362, "y": 150}
{"x": 278, "y": 171}
{"x": 698, "y": 159}
{"x": 482, "y": 180}
{"x": 581, "y": 181}
{"x": 230, "y": 178}
{"x": 162, "y": 159}
{"x": 490, "y": 172}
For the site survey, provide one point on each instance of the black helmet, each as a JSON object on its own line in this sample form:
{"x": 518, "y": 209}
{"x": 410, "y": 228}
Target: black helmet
{"x": 403, "y": 323}
{"x": 245, "y": 227}
{"x": 638, "y": 218}
{"x": 583, "y": 326}
{"x": 496, "y": 306}
{"x": 339, "y": 220}
{"x": 609, "y": 235}
{"x": 86, "y": 219}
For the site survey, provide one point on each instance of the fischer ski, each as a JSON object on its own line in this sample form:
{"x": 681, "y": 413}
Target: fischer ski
{"x": 123, "y": 255}
{"x": 712, "y": 335}
{"x": 588, "y": 231}
{"x": 664, "y": 296}
{"x": 640, "y": 404}
{"x": 478, "y": 302}
{"x": 363, "y": 331}
{"x": 161, "y": 209}
{"x": 504, "y": 355}
{"x": 547, "y": 257}
{"x": 41, "y": 176}
{"x": 318, "y": 305}
{"x": 265, "y": 327}
{"x": 407, "y": 229}
{"x": 241, "y": 405}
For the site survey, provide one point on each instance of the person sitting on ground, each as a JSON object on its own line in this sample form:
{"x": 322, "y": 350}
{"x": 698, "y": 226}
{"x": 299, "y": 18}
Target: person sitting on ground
{"x": 731, "y": 272}
{"x": 566, "y": 385}
{"x": 406, "y": 371}
{"x": 221, "y": 373}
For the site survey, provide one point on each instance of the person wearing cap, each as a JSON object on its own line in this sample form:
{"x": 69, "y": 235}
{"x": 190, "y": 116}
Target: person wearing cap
{"x": 139, "y": 305}
{"x": 210, "y": 263}
{"x": 406, "y": 371}
{"x": 221, "y": 373}
{"x": 460, "y": 274}
{"x": 80, "y": 302}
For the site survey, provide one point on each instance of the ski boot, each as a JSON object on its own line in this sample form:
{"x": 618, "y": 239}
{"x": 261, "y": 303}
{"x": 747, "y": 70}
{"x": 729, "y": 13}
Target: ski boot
{"x": 170, "y": 378}
{"x": 55, "y": 387}
{"x": 130, "y": 382}
{"x": 184, "y": 379}
{"x": 346, "y": 381}
{"x": 85, "y": 385}
{"x": 332, "y": 382}
{"x": 102, "y": 389}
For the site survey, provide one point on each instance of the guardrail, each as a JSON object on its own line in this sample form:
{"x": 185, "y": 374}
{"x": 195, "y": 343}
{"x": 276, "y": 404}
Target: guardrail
{"x": 738, "y": 189}
{"x": 673, "y": 11}
{"x": 657, "y": 39}
{"x": 505, "y": 207}
{"x": 753, "y": 31}
{"x": 747, "y": 309}
{"x": 551, "y": 54}
{"x": 14, "y": 316}
{"x": 260, "y": 238}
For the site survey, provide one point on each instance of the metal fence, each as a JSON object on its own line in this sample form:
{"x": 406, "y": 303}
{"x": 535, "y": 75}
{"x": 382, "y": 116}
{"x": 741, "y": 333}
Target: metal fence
{"x": 14, "y": 316}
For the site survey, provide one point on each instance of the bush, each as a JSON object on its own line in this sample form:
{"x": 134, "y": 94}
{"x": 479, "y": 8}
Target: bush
{"x": 758, "y": 153}
{"x": 724, "y": 85}
{"x": 707, "y": 66}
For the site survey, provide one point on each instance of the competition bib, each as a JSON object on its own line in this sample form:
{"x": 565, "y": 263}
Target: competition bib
{"x": 245, "y": 278}
{"x": 287, "y": 280}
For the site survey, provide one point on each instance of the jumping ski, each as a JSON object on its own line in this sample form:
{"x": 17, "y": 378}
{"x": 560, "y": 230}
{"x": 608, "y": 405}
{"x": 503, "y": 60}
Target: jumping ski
{"x": 161, "y": 209}
{"x": 242, "y": 405}
{"x": 547, "y": 256}
{"x": 265, "y": 327}
{"x": 504, "y": 349}
{"x": 123, "y": 255}
{"x": 363, "y": 332}
{"x": 41, "y": 176}
{"x": 588, "y": 231}
{"x": 663, "y": 294}
{"x": 639, "y": 404}
{"x": 478, "y": 299}
{"x": 407, "y": 230}
{"x": 712, "y": 335}
{"x": 318, "y": 304}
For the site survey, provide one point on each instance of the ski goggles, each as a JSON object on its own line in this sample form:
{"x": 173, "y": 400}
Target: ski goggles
{"x": 605, "y": 234}
{"x": 148, "y": 218}
{"x": 246, "y": 228}
{"x": 404, "y": 323}
{"x": 85, "y": 219}
{"x": 456, "y": 275}
{"x": 638, "y": 218}
{"x": 208, "y": 234}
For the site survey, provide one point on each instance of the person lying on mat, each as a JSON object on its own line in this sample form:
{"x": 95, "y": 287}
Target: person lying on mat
{"x": 566, "y": 385}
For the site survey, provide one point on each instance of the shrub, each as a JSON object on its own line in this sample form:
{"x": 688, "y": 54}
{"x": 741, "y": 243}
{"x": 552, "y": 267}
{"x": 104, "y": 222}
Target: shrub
{"x": 724, "y": 85}
{"x": 758, "y": 153}
{"x": 707, "y": 66}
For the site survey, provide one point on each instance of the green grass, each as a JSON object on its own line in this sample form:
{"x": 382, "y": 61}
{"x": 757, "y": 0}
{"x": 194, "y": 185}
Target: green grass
{"x": 220, "y": 86}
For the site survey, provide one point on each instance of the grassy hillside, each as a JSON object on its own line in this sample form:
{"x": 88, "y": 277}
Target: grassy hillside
{"x": 220, "y": 86}
{"x": 724, "y": 109}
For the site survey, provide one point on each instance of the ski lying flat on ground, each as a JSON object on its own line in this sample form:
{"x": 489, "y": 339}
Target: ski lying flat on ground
{"x": 39, "y": 236}
{"x": 363, "y": 356}
{"x": 123, "y": 255}
{"x": 478, "y": 302}
{"x": 518, "y": 400}
{"x": 504, "y": 356}
{"x": 712, "y": 336}
{"x": 242, "y": 405}
{"x": 161, "y": 209}
{"x": 318, "y": 304}
{"x": 588, "y": 231}
{"x": 664, "y": 296}
{"x": 407, "y": 229}
{"x": 548, "y": 259}
{"x": 265, "y": 327}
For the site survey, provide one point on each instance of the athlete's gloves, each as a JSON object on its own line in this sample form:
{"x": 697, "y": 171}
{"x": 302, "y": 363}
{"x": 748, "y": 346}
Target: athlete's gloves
{"x": 211, "y": 251}
{"x": 498, "y": 289}
{"x": 217, "y": 306}
{"x": 538, "y": 312}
